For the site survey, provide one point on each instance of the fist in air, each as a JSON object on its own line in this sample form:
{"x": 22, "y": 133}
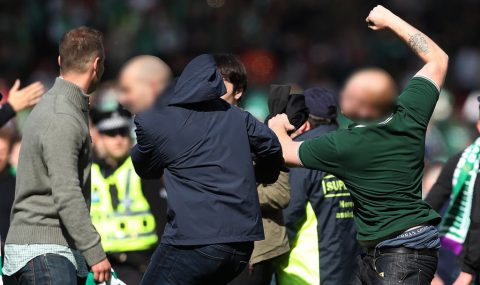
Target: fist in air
{"x": 379, "y": 18}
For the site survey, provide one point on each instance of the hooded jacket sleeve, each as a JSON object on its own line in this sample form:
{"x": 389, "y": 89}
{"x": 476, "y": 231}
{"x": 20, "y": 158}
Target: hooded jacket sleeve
{"x": 145, "y": 155}
{"x": 266, "y": 150}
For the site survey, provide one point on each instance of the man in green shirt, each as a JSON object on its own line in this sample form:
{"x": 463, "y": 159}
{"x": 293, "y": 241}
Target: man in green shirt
{"x": 381, "y": 160}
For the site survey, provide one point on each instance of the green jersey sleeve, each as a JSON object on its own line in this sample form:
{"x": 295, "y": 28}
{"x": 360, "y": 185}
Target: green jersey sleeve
{"x": 419, "y": 98}
{"x": 321, "y": 154}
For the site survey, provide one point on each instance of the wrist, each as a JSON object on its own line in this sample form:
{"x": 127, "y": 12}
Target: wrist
{"x": 394, "y": 22}
{"x": 279, "y": 130}
{"x": 15, "y": 107}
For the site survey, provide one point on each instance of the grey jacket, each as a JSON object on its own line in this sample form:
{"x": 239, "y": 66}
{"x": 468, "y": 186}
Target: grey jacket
{"x": 52, "y": 196}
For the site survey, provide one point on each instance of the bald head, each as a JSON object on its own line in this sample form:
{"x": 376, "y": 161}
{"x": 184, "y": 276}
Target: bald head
{"x": 141, "y": 80}
{"x": 368, "y": 94}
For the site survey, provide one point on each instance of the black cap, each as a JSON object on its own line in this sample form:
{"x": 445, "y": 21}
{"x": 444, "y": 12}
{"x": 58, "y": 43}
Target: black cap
{"x": 293, "y": 105}
{"x": 321, "y": 102}
{"x": 114, "y": 120}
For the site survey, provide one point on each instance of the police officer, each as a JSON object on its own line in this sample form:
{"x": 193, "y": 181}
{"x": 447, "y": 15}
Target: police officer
{"x": 128, "y": 212}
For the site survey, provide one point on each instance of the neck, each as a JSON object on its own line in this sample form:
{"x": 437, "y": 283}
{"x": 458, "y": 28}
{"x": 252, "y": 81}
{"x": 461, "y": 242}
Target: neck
{"x": 112, "y": 162}
{"x": 82, "y": 80}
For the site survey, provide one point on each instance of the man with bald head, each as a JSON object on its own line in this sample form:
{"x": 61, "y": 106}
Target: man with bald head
{"x": 380, "y": 159}
{"x": 368, "y": 94}
{"x": 141, "y": 80}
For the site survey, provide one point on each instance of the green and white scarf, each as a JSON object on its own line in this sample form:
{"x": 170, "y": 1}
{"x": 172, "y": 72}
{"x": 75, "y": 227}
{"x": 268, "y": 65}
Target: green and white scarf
{"x": 455, "y": 224}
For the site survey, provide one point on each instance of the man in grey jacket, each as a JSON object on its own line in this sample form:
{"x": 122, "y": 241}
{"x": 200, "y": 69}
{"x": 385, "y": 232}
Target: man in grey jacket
{"x": 51, "y": 238}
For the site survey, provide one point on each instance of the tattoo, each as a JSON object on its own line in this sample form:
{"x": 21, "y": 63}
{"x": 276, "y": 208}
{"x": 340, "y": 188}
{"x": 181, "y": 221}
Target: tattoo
{"x": 418, "y": 43}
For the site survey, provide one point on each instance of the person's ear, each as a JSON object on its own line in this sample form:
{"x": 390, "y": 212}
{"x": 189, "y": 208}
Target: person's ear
{"x": 478, "y": 126}
{"x": 307, "y": 127}
{"x": 304, "y": 128}
{"x": 238, "y": 94}
{"x": 59, "y": 60}
{"x": 96, "y": 64}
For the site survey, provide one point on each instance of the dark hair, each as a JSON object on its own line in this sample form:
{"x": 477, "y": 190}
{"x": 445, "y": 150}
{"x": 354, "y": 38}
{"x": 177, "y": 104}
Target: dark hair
{"x": 317, "y": 121}
{"x": 233, "y": 70}
{"x": 78, "y": 47}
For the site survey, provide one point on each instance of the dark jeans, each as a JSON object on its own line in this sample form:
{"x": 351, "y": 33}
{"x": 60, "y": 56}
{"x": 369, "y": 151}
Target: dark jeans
{"x": 215, "y": 264}
{"x": 395, "y": 268}
{"x": 49, "y": 269}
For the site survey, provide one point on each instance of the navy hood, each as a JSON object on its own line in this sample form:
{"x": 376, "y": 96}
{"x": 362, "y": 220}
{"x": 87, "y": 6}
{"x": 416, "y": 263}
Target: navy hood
{"x": 200, "y": 81}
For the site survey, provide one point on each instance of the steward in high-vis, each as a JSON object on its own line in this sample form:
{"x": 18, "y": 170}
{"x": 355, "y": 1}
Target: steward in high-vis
{"x": 123, "y": 204}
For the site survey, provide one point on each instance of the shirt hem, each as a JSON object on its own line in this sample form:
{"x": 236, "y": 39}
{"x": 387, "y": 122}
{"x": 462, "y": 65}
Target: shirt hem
{"x": 382, "y": 235}
{"x": 177, "y": 241}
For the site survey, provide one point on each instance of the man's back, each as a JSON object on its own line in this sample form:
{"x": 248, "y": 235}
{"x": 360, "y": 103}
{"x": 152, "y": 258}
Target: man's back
{"x": 205, "y": 146}
{"x": 382, "y": 164}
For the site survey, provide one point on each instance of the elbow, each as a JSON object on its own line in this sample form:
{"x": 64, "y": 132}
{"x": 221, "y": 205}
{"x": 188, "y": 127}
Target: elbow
{"x": 445, "y": 60}
{"x": 442, "y": 62}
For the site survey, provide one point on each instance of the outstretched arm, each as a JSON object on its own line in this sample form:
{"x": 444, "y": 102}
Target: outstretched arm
{"x": 436, "y": 60}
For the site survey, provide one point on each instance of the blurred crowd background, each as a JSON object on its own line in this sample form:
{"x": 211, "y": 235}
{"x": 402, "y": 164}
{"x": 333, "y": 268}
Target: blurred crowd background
{"x": 302, "y": 42}
{"x": 305, "y": 42}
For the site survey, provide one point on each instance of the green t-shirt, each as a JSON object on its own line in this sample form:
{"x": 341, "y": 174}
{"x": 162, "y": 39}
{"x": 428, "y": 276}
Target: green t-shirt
{"x": 382, "y": 164}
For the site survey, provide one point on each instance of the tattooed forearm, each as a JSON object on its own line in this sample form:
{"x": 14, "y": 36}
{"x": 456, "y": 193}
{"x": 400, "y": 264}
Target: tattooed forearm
{"x": 418, "y": 43}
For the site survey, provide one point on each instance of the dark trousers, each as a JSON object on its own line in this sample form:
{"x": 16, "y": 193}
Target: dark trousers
{"x": 259, "y": 274}
{"x": 49, "y": 269}
{"x": 215, "y": 264}
{"x": 395, "y": 268}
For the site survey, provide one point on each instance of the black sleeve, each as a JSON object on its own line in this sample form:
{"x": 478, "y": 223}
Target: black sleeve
{"x": 266, "y": 150}
{"x": 6, "y": 113}
{"x": 154, "y": 191}
{"x": 441, "y": 190}
{"x": 470, "y": 255}
{"x": 295, "y": 214}
{"x": 146, "y": 160}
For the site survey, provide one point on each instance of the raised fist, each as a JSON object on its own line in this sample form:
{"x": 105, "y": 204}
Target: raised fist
{"x": 379, "y": 18}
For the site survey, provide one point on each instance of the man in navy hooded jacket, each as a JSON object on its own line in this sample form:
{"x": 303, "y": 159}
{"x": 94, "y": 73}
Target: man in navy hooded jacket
{"x": 204, "y": 147}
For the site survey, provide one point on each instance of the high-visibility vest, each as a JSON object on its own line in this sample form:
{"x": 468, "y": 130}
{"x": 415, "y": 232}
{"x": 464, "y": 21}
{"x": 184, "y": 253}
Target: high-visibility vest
{"x": 301, "y": 265}
{"x": 129, "y": 225}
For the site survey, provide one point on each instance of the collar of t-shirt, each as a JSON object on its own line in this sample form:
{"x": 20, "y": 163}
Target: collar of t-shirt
{"x": 383, "y": 121}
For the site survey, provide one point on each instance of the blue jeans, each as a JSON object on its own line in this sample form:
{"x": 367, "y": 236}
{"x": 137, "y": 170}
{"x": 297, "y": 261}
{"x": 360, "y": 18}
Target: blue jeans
{"x": 214, "y": 264}
{"x": 48, "y": 269}
{"x": 395, "y": 268}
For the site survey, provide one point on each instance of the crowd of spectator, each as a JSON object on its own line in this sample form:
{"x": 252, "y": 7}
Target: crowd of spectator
{"x": 306, "y": 43}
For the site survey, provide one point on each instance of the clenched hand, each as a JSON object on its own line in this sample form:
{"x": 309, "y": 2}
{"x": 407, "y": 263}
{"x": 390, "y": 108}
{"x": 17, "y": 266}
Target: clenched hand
{"x": 379, "y": 18}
